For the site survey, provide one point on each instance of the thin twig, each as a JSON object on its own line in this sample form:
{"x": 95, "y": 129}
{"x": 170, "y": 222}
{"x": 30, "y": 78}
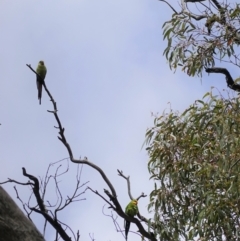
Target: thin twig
{"x": 120, "y": 173}
{"x": 21, "y": 183}
{"x": 116, "y": 224}
{"x": 96, "y": 192}
{"x": 142, "y": 195}
{"x": 43, "y": 211}
{"x": 23, "y": 204}
{"x": 169, "y": 5}
{"x": 67, "y": 227}
{"x": 78, "y": 235}
{"x": 92, "y": 237}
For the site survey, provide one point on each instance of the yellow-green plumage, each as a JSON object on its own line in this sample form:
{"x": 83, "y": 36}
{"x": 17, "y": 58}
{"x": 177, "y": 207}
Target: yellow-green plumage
{"x": 41, "y": 71}
{"x": 131, "y": 210}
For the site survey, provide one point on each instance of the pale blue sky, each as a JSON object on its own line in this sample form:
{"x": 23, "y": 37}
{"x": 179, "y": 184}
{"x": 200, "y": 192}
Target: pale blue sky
{"x": 107, "y": 73}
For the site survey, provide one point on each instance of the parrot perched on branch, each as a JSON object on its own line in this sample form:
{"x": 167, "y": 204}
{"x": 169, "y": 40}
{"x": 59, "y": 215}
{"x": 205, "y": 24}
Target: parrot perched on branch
{"x": 131, "y": 210}
{"x": 41, "y": 71}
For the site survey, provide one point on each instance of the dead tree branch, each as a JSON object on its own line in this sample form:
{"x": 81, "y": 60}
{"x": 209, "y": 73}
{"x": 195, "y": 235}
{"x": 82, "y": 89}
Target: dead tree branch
{"x": 49, "y": 215}
{"x": 193, "y": 1}
{"x": 116, "y": 224}
{"x": 169, "y": 5}
{"x": 113, "y": 194}
{"x": 229, "y": 79}
{"x": 62, "y": 138}
{"x": 120, "y": 173}
{"x": 23, "y": 204}
{"x": 42, "y": 210}
{"x": 20, "y": 183}
{"x": 91, "y": 236}
{"x": 114, "y": 219}
{"x": 96, "y": 192}
{"x": 142, "y": 195}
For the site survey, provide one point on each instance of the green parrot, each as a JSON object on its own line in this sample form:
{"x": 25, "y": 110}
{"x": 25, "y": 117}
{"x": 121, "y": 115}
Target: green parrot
{"x": 131, "y": 210}
{"x": 41, "y": 71}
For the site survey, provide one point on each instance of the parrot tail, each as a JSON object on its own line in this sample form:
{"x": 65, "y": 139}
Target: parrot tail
{"x": 127, "y": 227}
{"x": 39, "y": 86}
{"x": 39, "y": 96}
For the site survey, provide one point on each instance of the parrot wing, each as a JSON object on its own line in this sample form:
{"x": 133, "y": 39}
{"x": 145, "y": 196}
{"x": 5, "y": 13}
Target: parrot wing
{"x": 131, "y": 210}
{"x": 41, "y": 73}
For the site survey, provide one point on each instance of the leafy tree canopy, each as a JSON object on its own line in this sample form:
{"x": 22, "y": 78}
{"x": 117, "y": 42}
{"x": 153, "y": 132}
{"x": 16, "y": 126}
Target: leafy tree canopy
{"x": 201, "y": 33}
{"x": 194, "y": 160}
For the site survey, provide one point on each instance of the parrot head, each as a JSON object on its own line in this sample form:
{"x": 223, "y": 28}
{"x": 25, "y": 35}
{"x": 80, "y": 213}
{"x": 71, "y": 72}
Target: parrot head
{"x": 41, "y": 62}
{"x": 134, "y": 201}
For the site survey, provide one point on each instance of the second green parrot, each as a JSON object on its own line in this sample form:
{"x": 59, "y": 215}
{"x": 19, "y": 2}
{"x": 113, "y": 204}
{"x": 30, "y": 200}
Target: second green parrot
{"x": 131, "y": 210}
{"x": 41, "y": 71}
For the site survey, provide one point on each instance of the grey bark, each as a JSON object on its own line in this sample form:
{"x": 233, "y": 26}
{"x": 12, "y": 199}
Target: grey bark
{"x": 14, "y": 225}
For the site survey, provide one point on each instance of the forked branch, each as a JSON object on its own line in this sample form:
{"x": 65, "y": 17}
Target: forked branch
{"x": 120, "y": 173}
{"x": 113, "y": 194}
{"x": 63, "y": 139}
{"x": 42, "y": 210}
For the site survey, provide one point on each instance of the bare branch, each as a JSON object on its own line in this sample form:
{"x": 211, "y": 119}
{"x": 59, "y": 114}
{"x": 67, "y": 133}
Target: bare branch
{"x": 229, "y": 79}
{"x": 44, "y": 227}
{"x": 58, "y": 192}
{"x": 55, "y": 224}
{"x": 78, "y": 235}
{"x": 193, "y": 1}
{"x": 43, "y": 211}
{"x": 142, "y": 195}
{"x": 217, "y": 4}
{"x": 23, "y": 204}
{"x": 74, "y": 196}
{"x": 113, "y": 194}
{"x": 67, "y": 227}
{"x": 169, "y": 5}
{"x": 21, "y": 183}
{"x": 91, "y": 237}
{"x": 96, "y": 192}
{"x": 40, "y": 206}
{"x": 120, "y": 173}
{"x": 62, "y": 138}
{"x": 97, "y": 168}
{"x": 117, "y": 226}
{"x": 48, "y": 177}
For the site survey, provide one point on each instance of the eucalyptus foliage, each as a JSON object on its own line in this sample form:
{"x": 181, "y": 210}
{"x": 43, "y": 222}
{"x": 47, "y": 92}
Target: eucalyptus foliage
{"x": 195, "y": 163}
{"x": 199, "y": 34}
